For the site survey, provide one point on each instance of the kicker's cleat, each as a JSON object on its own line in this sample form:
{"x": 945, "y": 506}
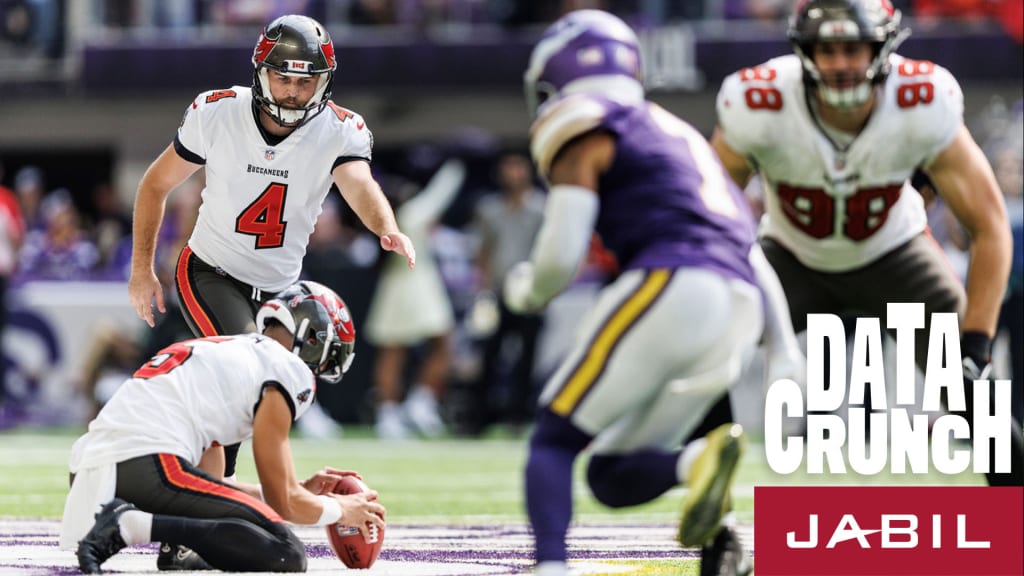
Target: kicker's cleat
{"x": 709, "y": 483}
{"x": 104, "y": 539}
{"x": 725, "y": 556}
{"x": 178, "y": 557}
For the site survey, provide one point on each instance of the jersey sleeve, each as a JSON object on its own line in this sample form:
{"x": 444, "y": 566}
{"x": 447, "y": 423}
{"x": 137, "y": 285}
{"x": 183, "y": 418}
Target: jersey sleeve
{"x": 740, "y": 125}
{"x": 193, "y": 139}
{"x": 940, "y": 120}
{"x": 562, "y": 122}
{"x": 355, "y": 141}
{"x": 292, "y": 378}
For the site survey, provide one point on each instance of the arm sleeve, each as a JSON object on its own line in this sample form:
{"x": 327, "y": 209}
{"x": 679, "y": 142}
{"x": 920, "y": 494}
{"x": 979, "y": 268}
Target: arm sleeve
{"x": 563, "y": 240}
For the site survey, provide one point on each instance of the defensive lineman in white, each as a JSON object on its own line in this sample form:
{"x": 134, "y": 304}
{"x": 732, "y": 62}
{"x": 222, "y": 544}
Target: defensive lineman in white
{"x": 836, "y": 130}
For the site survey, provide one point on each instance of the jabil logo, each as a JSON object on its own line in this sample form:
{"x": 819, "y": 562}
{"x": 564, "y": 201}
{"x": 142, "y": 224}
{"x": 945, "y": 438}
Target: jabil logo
{"x": 886, "y": 530}
{"x": 895, "y": 530}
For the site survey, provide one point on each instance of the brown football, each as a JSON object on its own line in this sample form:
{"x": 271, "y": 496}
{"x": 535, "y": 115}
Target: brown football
{"x": 346, "y": 541}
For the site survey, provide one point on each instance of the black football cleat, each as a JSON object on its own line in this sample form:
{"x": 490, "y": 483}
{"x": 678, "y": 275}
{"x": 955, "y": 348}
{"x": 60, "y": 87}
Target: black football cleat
{"x": 104, "y": 539}
{"x": 725, "y": 556}
{"x": 177, "y": 557}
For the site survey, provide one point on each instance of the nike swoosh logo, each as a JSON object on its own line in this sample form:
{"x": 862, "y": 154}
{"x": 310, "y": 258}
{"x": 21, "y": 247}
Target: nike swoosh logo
{"x": 360, "y": 126}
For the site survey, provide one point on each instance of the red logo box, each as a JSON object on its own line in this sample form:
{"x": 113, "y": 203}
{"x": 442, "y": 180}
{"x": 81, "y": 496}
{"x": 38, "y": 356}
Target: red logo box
{"x": 888, "y": 530}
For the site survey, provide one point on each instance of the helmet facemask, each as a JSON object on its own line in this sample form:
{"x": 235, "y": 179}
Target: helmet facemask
{"x": 329, "y": 355}
{"x": 291, "y": 117}
{"x": 294, "y": 46}
{"x": 846, "y": 21}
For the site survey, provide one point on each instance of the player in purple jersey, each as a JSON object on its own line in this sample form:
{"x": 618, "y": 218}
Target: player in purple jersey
{"x": 671, "y": 332}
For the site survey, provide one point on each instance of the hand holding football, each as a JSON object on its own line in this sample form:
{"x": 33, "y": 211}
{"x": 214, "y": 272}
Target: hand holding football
{"x": 346, "y": 541}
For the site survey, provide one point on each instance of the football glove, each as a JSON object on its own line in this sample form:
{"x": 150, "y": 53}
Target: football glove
{"x": 519, "y": 295}
{"x": 977, "y": 361}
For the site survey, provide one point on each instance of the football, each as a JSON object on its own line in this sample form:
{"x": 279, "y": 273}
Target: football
{"x": 346, "y": 541}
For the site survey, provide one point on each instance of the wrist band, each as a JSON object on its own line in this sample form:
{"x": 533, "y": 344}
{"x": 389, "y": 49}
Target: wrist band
{"x": 331, "y": 512}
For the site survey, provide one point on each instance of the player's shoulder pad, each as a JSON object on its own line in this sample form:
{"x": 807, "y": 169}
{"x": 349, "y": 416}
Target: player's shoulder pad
{"x": 344, "y": 118}
{"x": 925, "y": 89}
{"x": 925, "y": 101}
{"x": 752, "y": 98}
{"x": 213, "y": 99}
{"x": 560, "y": 122}
{"x": 350, "y": 130}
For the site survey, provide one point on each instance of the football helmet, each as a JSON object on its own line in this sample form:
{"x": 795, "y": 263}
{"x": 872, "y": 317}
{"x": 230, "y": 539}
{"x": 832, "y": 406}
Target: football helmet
{"x": 874, "y": 21}
{"x": 314, "y": 329}
{"x": 340, "y": 357}
{"x": 584, "y": 51}
{"x": 296, "y": 46}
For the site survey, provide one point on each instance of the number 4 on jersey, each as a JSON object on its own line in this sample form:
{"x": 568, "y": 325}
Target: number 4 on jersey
{"x": 264, "y": 218}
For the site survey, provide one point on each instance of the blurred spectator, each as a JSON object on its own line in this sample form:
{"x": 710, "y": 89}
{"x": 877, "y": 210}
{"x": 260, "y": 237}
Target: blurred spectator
{"x": 372, "y": 13}
{"x": 412, "y": 307}
{"x": 12, "y": 233}
{"x": 335, "y": 239}
{"x": 111, "y": 221}
{"x": 1006, "y": 152}
{"x": 255, "y": 12}
{"x": 507, "y": 224}
{"x": 766, "y": 10}
{"x": 60, "y": 251}
{"x": 30, "y": 188}
{"x": 115, "y": 352}
{"x": 32, "y": 28}
{"x": 147, "y": 13}
{"x": 1008, "y": 13}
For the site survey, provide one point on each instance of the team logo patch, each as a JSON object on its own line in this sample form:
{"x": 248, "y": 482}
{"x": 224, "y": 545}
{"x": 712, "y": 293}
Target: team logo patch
{"x": 304, "y": 395}
{"x": 269, "y": 153}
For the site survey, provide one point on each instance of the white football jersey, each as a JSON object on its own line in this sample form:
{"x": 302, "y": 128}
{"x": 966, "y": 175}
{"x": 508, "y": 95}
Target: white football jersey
{"x": 191, "y": 395}
{"x": 840, "y": 209}
{"x": 261, "y": 201}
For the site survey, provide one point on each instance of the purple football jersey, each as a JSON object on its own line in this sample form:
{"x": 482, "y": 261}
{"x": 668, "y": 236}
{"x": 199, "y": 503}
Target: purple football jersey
{"x": 652, "y": 212}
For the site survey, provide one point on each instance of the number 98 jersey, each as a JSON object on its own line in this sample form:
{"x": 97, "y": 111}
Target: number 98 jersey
{"x": 261, "y": 201}
{"x": 839, "y": 202}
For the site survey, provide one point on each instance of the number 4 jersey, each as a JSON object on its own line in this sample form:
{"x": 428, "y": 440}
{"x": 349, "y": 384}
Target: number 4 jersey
{"x": 836, "y": 201}
{"x": 261, "y": 201}
{"x": 191, "y": 395}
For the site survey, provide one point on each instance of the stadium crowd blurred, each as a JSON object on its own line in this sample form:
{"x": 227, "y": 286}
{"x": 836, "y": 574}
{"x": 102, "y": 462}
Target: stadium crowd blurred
{"x": 25, "y": 18}
{"x": 53, "y": 233}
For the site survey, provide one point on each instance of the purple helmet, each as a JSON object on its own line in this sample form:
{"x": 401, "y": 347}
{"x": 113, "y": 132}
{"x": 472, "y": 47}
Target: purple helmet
{"x": 584, "y": 51}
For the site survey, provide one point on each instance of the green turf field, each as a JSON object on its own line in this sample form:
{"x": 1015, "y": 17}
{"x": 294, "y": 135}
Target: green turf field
{"x": 439, "y": 483}
{"x": 450, "y": 480}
